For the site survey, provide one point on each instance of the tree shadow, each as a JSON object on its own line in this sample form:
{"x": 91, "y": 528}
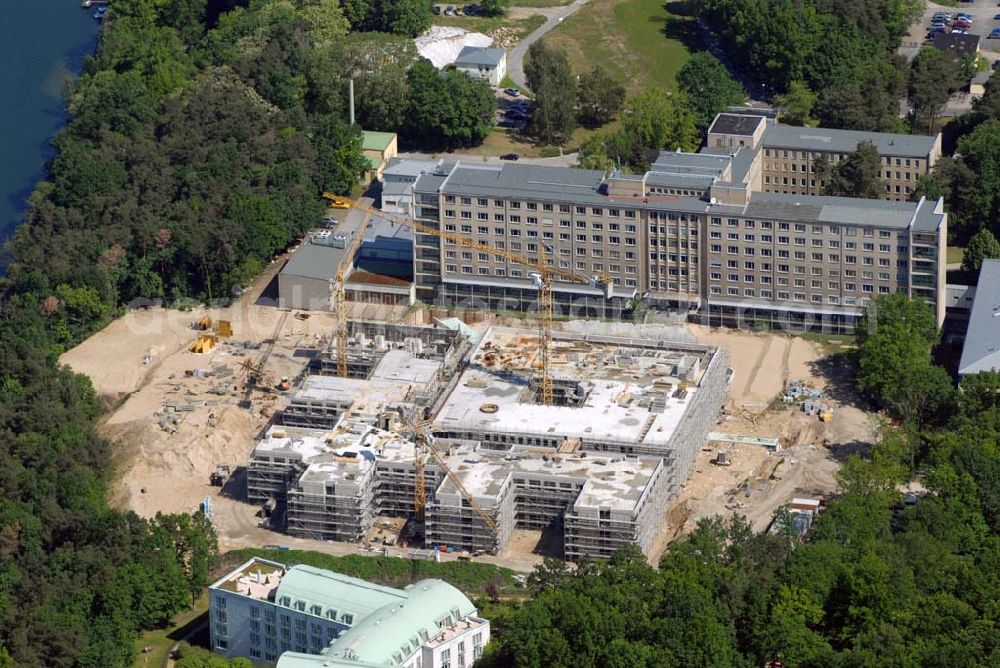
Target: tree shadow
{"x": 842, "y": 451}
{"x": 838, "y": 370}
{"x": 681, "y": 25}
{"x": 195, "y": 632}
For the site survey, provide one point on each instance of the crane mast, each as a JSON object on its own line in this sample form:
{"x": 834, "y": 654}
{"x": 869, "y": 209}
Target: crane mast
{"x": 338, "y": 298}
{"x": 543, "y": 276}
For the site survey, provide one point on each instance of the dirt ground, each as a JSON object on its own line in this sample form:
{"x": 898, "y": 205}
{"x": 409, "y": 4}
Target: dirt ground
{"x": 142, "y": 368}
{"x": 140, "y": 365}
{"x": 811, "y": 451}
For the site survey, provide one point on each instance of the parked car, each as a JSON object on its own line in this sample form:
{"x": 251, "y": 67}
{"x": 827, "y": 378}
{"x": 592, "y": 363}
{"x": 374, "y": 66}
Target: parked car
{"x": 997, "y": 17}
{"x": 961, "y": 25}
{"x": 960, "y": 31}
{"x": 995, "y": 34}
{"x": 436, "y": 9}
{"x": 510, "y": 156}
{"x": 513, "y": 92}
{"x": 507, "y": 123}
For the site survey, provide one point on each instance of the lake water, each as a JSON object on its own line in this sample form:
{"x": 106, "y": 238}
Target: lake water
{"x": 42, "y": 44}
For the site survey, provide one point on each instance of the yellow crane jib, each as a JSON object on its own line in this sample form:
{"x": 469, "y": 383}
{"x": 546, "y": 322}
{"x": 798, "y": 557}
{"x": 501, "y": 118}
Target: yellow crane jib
{"x": 542, "y": 277}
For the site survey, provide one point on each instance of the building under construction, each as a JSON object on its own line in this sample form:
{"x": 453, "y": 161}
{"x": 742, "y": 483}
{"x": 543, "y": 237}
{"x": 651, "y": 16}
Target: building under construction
{"x": 599, "y": 466}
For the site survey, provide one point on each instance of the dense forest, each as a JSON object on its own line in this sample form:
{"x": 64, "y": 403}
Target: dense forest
{"x": 842, "y": 52}
{"x": 877, "y": 582}
{"x": 202, "y": 134}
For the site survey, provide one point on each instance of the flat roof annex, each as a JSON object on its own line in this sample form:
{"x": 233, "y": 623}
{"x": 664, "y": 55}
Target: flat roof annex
{"x": 846, "y": 141}
{"x": 981, "y": 351}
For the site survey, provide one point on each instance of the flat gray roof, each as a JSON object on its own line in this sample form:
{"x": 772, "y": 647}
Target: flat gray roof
{"x": 314, "y": 260}
{"x": 845, "y": 141}
{"x": 838, "y": 210}
{"x": 735, "y": 124}
{"x": 480, "y": 55}
{"x": 585, "y": 187}
{"x": 520, "y": 180}
{"x": 707, "y": 163}
{"x": 387, "y": 229}
{"x": 981, "y": 351}
{"x": 408, "y": 167}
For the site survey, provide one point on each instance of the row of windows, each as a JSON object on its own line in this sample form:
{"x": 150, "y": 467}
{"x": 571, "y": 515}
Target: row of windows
{"x": 535, "y": 206}
{"x": 849, "y": 231}
{"x": 809, "y": 168}
{"x": 836, "y": 157}
{"x": 796, "y": 296}
{"x": 798, "y": 282}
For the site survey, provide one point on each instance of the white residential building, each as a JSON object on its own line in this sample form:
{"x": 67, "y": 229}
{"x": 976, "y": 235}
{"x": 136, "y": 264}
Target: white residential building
{"x": 305, "y": 617}
{"x": 485, "y": 63}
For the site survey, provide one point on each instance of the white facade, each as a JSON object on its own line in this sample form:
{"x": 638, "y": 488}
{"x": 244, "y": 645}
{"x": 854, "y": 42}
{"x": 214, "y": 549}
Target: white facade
{"x": 456, "y": 647}
{"x": 304, "y": 617}
{"x": 483, "y": 63}
{"x": 247, "y": 621}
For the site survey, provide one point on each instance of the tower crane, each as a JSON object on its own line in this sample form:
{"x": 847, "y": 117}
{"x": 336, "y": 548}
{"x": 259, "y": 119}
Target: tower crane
{"x": 338, "y": 300}
{"x": 423, "y": 445}
{"x": 542, "y": 277}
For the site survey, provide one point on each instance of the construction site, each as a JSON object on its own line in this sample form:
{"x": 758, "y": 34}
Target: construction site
{"x": 396, "y": 427}
{"x": 450, "y": 435}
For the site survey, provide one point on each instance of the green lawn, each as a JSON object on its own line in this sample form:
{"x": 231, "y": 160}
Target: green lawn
{"x": 159, "y": 642}
{"x": 486, "y": 24}
{"x": 955, "y": 254}
{"x": 640, "y": 42}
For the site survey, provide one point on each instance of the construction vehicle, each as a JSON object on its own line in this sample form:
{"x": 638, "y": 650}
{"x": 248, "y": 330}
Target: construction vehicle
{"x": 254, "y": 374}
{"x": 338, "y": 299}
{"x": 336, "y": 201}
{"x": 220, "y": 475}
{"x": 204, "y": 323}
{"x": 204, "y": 343}
{"x": 224, "y": 329}
{"x": 542, "y": 277}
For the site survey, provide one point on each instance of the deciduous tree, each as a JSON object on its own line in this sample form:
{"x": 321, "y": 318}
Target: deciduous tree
{"x": 553, "y": 116}
{"x": 709, "y": 87}
{"x": 599, "y": 97}
{"x": 982, "y": 246}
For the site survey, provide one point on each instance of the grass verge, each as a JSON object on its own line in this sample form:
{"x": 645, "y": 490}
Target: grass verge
{"x": 160, "y": 641}
{"x": 955, "y": 254}
{"x": 469, "y": 576}
{"x": 487, "y": 24}
{"x": 641, "y": 43}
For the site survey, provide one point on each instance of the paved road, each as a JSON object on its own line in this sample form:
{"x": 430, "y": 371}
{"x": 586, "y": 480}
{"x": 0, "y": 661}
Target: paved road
{"x": 515, "y": 61}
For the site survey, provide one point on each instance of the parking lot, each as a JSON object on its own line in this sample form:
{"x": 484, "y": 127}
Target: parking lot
{"x": 983, "y": 23}
{"x": 513, "y": 111}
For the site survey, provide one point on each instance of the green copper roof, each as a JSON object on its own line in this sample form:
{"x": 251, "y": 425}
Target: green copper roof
{"x": 392, "y": 633}
{"x": 333, "y": 592}
{"x": 400, "y": 628}
{"x": 376, "y": 141}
